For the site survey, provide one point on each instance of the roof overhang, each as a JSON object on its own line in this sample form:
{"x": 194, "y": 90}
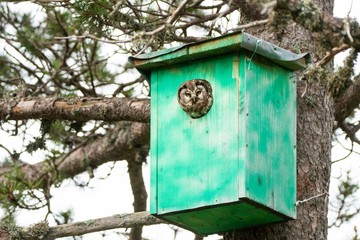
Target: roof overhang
{"x": 216, "y": 46}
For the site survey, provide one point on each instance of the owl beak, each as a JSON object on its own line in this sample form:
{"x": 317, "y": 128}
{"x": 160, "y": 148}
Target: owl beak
{"x": 193, "y": 99}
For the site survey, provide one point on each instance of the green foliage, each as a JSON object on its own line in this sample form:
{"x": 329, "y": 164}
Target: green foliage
{"x": 35, "y": 231}
{"x": 17, "y": 192}
{"x": 309, "y": 15}
{"x": 40, "y": 142}
{"x": 316, "y": 74}
{"x": 63, "y": 66}
{"x": 5, "y": 69}
{"x": 341, "y": 80}
{"x": 11, "y": 228}
{"x": 64, "y": 217}
{"x": 38, "y": 230}
{"x": 36, "y": 144}
{"x": 9, "y": 77}
{"x": 57, "y": 131}
{"x": 55, "y": 22}
{"x": 346, "y": 206}
{"x": 60, "y": 132}
{"x": 93, "y": 15}
{"x": 27, "y": 37}
{"x": 77, "y": 126}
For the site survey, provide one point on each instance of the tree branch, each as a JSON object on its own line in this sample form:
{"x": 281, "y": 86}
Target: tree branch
{"x": 350, "y": 131}
{"x": 43, "y": 232}
{"x": 138, "y": 188}
{"x": 331, "y": 54}
{"x": 79, "y": 109}
{"x": 348, "y": 101}
{"x": 249, "y": 25}
{"x": 328, "y": 30}
{"x": 116, "y": 221}
{"x": 118, "y": 144}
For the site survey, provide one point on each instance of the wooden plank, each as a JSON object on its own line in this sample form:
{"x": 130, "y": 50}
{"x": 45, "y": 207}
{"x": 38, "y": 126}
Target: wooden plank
{"x": 153, "y": 143}
{"x": 242, "y": 124}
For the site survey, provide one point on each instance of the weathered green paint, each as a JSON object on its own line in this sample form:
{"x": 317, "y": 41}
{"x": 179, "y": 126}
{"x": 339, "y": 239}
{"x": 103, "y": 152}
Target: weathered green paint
{"x": 197, "y": 159}
{"x": 154, "y": 147}
{"x": 236, "y": 166}
{"x": 270, "y": 118}
{"x": 223, "y": 218}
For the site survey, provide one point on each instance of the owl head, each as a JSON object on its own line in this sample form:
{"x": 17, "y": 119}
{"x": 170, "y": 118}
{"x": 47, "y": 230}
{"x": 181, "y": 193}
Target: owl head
{"x": 195, "y": 97}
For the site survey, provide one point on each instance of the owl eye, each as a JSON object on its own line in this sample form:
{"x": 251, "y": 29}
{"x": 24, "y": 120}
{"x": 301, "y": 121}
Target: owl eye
{"x": 198, "y": 92}
{"x": 187, "y": 94}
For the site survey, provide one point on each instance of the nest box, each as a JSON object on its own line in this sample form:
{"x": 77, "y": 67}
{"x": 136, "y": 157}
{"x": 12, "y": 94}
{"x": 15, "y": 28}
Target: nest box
{"x": 235, "y": 165}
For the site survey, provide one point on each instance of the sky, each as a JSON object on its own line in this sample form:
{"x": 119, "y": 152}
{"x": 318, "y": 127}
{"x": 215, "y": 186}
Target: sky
{"x": 113, "y": 195}
{"x": 339, "y": 169}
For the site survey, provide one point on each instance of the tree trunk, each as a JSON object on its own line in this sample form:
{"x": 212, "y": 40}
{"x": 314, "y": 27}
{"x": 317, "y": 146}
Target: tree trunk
{"x": 315, "y": 120}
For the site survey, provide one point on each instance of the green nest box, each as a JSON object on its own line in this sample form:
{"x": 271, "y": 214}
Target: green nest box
{"x": 230, "y": 161}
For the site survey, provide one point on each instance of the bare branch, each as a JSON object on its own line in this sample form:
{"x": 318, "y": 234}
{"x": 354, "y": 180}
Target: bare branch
{"x": 331, "y": 54}
{"x": 89, "y": 36}
{"x": 116, "y": 221}
{"x": 249, "y": 25}
{"x": 43, "y": 232}
{"x": 177, "y": 12}
{"x": 80, "y": 109}
{"x": 350, "y": 131}
{"x": 348, "y": 101}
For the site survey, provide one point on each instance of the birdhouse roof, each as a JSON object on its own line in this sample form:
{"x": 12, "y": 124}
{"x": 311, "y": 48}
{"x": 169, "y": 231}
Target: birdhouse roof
{"x": 216, "y": 46}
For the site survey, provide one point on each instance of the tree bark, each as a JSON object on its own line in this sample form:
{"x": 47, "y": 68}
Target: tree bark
{"x": 78, "y": 109}
{"x": 315, "y": 119}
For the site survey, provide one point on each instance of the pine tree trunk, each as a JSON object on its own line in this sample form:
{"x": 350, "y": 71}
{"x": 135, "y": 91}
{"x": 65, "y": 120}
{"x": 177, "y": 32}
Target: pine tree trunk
{"x": 315, "y": 120}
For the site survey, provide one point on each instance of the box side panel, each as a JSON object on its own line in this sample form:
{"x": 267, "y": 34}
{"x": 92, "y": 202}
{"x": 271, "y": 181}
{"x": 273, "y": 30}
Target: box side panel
{"x": 153, "y": 143}
{"x": 271, "y": 136}
{"x": 197, "y": 158}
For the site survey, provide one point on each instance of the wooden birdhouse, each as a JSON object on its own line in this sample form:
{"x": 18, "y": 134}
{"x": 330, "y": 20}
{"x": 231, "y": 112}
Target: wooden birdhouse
{"x": 230, "y": 161}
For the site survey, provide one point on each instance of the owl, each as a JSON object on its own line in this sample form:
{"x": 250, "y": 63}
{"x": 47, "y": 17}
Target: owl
{"x": 195, "y": 97}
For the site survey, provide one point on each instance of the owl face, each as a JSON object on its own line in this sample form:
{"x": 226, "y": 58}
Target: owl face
{"x": 195, "y": 97}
